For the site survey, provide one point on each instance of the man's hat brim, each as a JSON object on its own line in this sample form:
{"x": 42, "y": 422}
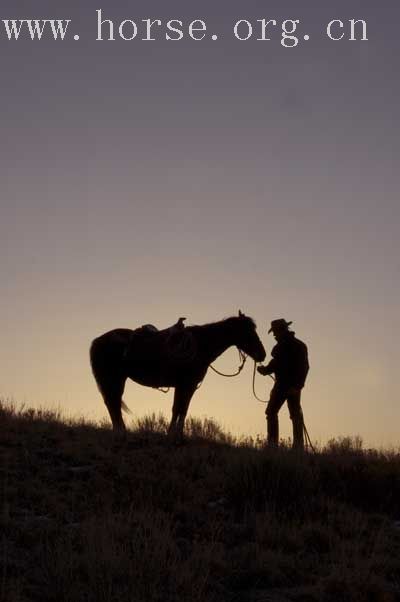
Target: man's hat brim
{"x": 280, "y": 326}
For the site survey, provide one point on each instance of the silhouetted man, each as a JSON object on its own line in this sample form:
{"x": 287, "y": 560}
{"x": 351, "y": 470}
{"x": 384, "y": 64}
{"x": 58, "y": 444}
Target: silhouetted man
{"x": 290, "y": 365}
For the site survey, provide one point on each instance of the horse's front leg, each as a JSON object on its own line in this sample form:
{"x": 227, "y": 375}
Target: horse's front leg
{"x": 183, "y": 395}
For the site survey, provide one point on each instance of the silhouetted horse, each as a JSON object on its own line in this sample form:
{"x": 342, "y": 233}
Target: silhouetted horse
{"x": 148, "y": 357}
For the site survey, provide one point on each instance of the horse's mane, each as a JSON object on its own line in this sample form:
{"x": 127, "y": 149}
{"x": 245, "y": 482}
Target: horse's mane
{"x": 232, "y": 320}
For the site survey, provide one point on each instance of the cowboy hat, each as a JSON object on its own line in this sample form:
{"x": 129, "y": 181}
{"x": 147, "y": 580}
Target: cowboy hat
{"x": 279, "y": 324}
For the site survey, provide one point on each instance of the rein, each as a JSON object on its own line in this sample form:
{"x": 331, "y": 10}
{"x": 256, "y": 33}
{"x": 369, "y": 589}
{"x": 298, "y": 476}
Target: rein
{"x": 243, "y": 358}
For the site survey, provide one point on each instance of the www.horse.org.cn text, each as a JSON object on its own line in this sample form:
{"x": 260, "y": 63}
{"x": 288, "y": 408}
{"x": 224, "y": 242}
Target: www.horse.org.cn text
{"x": 289, "y": 32}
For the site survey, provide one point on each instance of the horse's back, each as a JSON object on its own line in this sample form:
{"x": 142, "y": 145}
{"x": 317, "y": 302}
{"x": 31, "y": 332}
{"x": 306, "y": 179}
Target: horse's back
{"x": 121, "y": 342}
{"x": 115, "y": 335}
{"x": 120, "y": 337}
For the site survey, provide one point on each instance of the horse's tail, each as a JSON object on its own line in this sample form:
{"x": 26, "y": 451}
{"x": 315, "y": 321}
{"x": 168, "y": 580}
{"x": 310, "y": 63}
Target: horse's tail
{"x": 95, "y": 362}
{"x": 100, "y": 364}
{"x": 125, "y": 408}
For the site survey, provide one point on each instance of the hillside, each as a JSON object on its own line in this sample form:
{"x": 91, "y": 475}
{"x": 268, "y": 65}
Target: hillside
{"x": 88, "y": 517}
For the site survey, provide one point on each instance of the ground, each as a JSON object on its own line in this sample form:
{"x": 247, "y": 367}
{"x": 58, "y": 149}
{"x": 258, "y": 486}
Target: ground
{"x": 88, "y": 516}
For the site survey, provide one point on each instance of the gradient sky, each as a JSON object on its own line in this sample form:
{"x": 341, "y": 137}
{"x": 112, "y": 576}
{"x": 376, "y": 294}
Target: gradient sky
{"x": 143, "y": 181}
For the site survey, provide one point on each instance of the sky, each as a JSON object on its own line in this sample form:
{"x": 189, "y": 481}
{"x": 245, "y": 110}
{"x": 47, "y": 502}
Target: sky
{"x": 147, "y": 180}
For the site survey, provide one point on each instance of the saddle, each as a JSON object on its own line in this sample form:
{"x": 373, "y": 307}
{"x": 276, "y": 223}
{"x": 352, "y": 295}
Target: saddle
{"x": 177, "y": 343}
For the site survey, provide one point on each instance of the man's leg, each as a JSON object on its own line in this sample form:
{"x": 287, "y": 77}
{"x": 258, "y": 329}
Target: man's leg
{"x": 276, "y": 401}
{"x": 296, "y": 416}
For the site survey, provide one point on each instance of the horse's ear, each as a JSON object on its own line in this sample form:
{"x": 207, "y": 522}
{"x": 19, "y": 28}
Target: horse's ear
{"x": 241, "y": 315}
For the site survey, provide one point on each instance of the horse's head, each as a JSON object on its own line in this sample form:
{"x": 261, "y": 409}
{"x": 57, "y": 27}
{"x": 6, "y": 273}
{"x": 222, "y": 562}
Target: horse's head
{"x": 247, "y": 338}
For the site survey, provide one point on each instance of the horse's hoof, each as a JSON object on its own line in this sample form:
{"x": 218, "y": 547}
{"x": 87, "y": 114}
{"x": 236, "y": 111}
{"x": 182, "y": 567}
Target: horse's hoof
{"x": 180, "y": 441}
{"x": 176, "y": 439}
{"x": 120, "y": 434}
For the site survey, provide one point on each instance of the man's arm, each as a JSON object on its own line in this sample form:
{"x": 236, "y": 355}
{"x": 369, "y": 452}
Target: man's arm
{"x": 268, "y": 369}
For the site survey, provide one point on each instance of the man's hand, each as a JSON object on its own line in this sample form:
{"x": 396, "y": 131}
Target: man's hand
{"x": 263, "y": 370}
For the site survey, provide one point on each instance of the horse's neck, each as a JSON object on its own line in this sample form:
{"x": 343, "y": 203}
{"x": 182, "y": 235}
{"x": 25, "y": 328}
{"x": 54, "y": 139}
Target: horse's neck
{"x": 215, "y": 339}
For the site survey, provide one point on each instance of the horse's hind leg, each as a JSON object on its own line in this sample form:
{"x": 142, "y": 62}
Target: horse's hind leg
{"x": 112, "y": 394}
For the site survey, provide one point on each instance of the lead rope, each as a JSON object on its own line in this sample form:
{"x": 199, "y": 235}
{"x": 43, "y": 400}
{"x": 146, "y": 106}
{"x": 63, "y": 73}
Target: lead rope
{"x": 254, "y": 386}
{"x": 307, "y": 439}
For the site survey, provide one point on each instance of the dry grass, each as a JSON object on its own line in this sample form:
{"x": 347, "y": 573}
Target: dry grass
{"x": 88, "y": 517}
